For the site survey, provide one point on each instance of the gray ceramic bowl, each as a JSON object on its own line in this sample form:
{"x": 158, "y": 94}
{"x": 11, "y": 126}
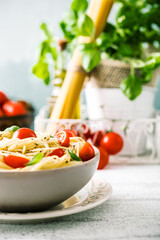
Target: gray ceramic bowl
{"x": 39, "y": 190}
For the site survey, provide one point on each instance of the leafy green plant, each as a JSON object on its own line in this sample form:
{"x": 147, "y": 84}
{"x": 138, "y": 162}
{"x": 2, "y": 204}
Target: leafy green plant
{"x": 75, "y": 23}
{"x": 48, "y": 53}
{"x": 136, "y": 26}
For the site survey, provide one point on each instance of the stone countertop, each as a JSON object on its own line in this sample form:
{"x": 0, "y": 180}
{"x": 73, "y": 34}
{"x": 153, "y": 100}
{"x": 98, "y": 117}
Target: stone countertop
{"x": 132, "y": 212}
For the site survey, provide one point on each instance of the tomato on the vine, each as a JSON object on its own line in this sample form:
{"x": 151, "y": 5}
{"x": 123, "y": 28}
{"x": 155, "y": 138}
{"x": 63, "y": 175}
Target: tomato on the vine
{"x": 104, "y": 158}
{"x": 86, "y": 132}
{"x": 15, "y": 161}
{"x": 63, "y": 138}
{"x": 22, "y": 133}
{"x": 87, "y": 152}
{"x": 97, "y": 136}
{"x": 112, "y": 142}
{"x": 58, "y": 152}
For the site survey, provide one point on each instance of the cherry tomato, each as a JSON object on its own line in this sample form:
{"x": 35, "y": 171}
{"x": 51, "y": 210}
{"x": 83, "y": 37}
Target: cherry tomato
{"x": 58, "y": 152}
{"x": 104, "y": 158}
{"x": 26, "y": 105}
{"x": 22, "y": 133}
{"x": 12, "y": 108}
{"x": 71, "y": 133}
{"x": 87, "y": 152}
{"x": 1, "y": 113}
{"x": 112, "y": 142}
{"x": 63, "y": 138}
{"x": 15, "y": 161}
{"x": 97, "y": 136}
{"x": 86, "y": 132}
{"x": 3, "y": 98}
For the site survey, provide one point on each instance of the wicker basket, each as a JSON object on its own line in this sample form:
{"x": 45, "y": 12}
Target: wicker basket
{"x": 110, "y": 73}
{"x": 21, "y": 121}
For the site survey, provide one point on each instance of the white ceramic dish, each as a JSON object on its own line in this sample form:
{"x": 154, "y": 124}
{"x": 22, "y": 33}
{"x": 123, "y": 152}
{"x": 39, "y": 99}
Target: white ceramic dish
{"x": 96, "y": 192}
{"x": 39, "y": 190}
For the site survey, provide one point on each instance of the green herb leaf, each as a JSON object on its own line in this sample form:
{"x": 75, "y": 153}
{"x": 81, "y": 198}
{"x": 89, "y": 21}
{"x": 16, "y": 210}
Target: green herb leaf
{"x": 69, "y": 25}
{"x": 90, "y": 56}
{"x": 74, "y": 156}
{"x": 85, "y": 25}
{"x": 41, "y": 71}
{"x": 147, "y": 67}
{"x": 45, "y": 48}
{"x": 46, "y": 31}
{"x": 131, "y": 87}
{"x": 36, "y": 158}
{"x": 79, "y": 5}
{"x": 12, "y": 129}
{"x": 104, "y": 41}
{"x": 90, "y": 59}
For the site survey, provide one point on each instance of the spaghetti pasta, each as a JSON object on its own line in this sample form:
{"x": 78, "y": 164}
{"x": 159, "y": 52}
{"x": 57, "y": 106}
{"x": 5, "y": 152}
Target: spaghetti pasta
{"x": 28, "y": 148}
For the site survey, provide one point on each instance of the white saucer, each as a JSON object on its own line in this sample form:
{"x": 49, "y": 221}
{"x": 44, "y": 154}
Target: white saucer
{"x": 93, "y": 194}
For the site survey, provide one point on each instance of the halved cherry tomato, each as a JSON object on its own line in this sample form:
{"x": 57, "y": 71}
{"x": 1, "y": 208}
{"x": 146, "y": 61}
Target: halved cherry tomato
{"x": 71, "y": 133}
{"x": 87, "y": 152}
{"x": 58, "y": 152}
{"x": 22, "y": 133}
{"x": 112, "y": 142}
{"x": 3, "y": 97}
{"x": 104, "y": 158}
{"x": 15, "y": 161}
{"x": 97, "y": 136}
{"x": 63, "y": 138}
{"x": 12, "y": 108}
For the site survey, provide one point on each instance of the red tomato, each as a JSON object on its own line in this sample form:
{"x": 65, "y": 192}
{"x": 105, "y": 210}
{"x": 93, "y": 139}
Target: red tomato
{"x": 97, "y": 136}
{"x": 1, "y": 113}
{"x": 15, "y": 161}
{"x": 104, "y": 158}
{"x": 58, "y": 152}
{"x": 12, "y": 108}
{"x": 3, "y": 98}
{"x": 71, "y": 133}
{"x": 112, "y": 142}
{"x": 87, "y": 152}
{"x": 86, "y": 132}
{"x": 63, "y": 138}
{"x": 22, "y": 133}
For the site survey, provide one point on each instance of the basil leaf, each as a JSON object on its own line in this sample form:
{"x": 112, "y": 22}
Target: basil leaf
{"x": 131, "y": 87}
{"x": 69, "y": 25}
{"x": 85, "y": 25}
{"x": 36, "y": 158}
{"x": 104, "y": 41}
{"x": 41, "y": 71}
{"x": 12, "y": 129}
{"x": 45, "y": 48}
{"x": 46, "y": 31}
{"x": 90, "y": 59}
{"x": 74, "y": 156}
{"x": 86, "y": 46}
{"x": 79, "y": 5}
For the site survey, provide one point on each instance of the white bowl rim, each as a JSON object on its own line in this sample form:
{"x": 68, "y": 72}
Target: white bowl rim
{"x": 94, "y": 159}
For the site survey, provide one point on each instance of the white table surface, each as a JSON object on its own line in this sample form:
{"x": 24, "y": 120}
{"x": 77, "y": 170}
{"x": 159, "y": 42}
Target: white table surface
{"x": 133, "y": 211}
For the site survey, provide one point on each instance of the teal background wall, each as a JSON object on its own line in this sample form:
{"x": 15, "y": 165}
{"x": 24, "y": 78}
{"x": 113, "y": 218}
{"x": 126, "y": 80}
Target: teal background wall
{"x": 19, "y": 38}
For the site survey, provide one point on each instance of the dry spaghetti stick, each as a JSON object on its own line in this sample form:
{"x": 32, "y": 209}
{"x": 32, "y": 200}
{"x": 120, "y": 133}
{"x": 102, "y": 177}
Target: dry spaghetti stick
{"x": 66, "y": 102}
